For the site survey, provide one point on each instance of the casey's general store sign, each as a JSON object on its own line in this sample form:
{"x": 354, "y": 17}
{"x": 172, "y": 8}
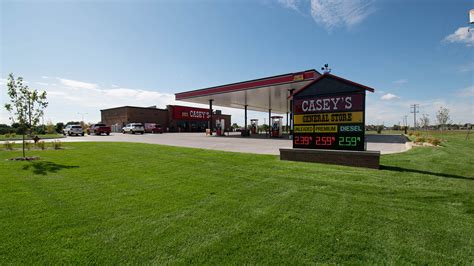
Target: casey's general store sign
{"x": 329, "y": 121}
{"x": 190, "y": 113}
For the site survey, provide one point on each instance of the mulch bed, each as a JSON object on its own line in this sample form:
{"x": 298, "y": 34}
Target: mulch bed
{"x": 32, "y": 158}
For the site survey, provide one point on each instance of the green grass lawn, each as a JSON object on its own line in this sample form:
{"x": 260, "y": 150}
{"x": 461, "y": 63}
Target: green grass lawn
{"x": 19, "y": 137}
{"x": 110, "y": 203}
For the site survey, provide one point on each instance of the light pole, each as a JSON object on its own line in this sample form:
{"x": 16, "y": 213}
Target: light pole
{"x": 82, "y": 115}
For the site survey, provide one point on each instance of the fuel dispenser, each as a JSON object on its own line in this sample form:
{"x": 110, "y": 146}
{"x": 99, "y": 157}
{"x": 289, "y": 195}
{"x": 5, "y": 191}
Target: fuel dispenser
{"x": 220, "y": 125}
{"x": 254, "y": 126}
{"x": 276, "y": 126}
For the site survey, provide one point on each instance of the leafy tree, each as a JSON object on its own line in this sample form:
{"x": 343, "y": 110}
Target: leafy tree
{"x": 5, "y": 129}
{"x": 263, "y": 128}
{"x": 26, "y": 105}
{"x": 234, "y": 126}
{"x": 59, "y": 127}
{"x": 380, "y": 128}
{"x": 424, "y": 121}
{"x": 442, "y": 117}
{"x": 50, "y": 128}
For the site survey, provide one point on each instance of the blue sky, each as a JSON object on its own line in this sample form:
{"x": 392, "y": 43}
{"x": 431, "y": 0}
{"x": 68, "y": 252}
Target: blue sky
{"x": 90, "y": 55}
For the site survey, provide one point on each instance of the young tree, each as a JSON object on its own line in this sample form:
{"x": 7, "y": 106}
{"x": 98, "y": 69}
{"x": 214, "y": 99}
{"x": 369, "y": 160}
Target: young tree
{"x": 234, "y": 126}
{"x": 442, "y": 116}
{"x": 424, "y": 121}
{"x": 26, "y": 105}
{"x": 59, "y": 127}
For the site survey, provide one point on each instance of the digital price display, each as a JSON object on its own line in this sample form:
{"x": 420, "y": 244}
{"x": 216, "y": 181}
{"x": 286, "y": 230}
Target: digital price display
{"x": 311, "y": 141}
{"x": 328, "y": 121}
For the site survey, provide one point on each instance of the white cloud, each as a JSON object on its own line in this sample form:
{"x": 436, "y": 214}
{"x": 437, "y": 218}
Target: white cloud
{"x": 400, "y": 82}
{"x": 332, "y": 14}
{"x": 389, "y": 96}
{"x": 466, "y": 68}
{"x": 340, "y": 13}
{"x": 44, "y": 77}
{"x": 466, "y": 92}
{"x": 461, "y": 35}
{"x": 42, "y": 83}
{"x": 293, "y": 4}
{"x": 77, "y": 84}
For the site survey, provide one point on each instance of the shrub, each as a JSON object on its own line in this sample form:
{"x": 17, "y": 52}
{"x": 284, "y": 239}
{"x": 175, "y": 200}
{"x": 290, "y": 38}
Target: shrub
{"x": 417, "y": 134}
{"x": 50, "y": 128}
{"x": 10, "y": 135}
{"x": 56, "y": 144}
{"x": 40, "y": 130}
{"x": 420, "y": 139}
{"x": 8, "y": 145}
{"x": 434, "y": 141}
{"x": 28, "y": 145}
{"x": 379, "y": 129}
{"x": 41, "y": 145}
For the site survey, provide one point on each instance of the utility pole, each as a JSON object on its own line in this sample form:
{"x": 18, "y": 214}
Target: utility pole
{"x": 405, "y": 123}
{"x": 415, "y": 108}
{"x": 82, "y": 115}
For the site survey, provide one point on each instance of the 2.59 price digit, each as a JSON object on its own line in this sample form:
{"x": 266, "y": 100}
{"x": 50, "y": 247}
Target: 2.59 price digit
{"x": 349, "y": 141}
{"x": 325, "y": 141}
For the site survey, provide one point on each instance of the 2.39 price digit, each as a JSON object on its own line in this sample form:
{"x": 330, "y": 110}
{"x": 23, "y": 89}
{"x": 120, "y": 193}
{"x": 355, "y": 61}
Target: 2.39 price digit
{"x": 303, "y": 140}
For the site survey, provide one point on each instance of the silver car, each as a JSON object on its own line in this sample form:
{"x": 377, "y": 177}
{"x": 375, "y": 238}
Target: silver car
{"x": 133, "y": 128}
{"x": 73, "y": 130}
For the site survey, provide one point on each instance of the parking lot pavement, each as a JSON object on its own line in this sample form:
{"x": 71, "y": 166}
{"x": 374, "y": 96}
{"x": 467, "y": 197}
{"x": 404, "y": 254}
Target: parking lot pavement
{"x": 233, "y": 144}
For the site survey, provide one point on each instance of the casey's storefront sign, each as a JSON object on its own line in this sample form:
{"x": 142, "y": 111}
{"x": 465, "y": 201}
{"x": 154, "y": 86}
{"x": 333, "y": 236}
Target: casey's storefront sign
{"x": 350, "y": 102}
{"x": 190, "y": 113}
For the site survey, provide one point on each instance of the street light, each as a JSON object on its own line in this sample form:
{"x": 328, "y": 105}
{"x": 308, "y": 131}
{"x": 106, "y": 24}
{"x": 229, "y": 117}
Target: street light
{"x": 82, "y": 115}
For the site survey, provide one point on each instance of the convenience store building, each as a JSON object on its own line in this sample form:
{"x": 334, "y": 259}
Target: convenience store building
{"x": 174, "y": 118}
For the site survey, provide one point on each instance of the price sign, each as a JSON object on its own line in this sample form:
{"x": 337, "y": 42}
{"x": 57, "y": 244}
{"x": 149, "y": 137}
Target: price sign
{"x": 329, "y": 121}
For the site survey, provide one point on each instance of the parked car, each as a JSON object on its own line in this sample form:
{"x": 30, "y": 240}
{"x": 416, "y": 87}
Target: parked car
{"x": 98, "y": 129}
{"x": 153, "y": 128}
{"x": 73, "y": 130}
{"x": 158, "y": 129}
{"x": 133, "y": 128}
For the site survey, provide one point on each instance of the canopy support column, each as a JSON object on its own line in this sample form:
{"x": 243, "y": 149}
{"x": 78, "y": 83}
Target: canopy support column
{"x": 291, "y": 113}
{"x": 269, "y": 123}
{"x": 210, "y": 117}
{"x": 245, "y": 123}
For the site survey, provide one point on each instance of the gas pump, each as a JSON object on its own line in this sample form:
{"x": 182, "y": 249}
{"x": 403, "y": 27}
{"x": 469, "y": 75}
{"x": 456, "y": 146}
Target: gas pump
{"x": 254, "y": 126}
{"x": 220, "y": 125}
{"x": 276, "y": 126}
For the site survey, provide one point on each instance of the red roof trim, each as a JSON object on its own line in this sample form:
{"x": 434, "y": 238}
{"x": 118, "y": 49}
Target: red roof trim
{"x": 251, "y": 84}
{"x": 336, "y": 77}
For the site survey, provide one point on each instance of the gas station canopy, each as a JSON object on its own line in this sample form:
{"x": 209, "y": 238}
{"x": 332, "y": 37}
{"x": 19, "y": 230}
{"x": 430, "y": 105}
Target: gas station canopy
{"x": 258, "y": 94}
